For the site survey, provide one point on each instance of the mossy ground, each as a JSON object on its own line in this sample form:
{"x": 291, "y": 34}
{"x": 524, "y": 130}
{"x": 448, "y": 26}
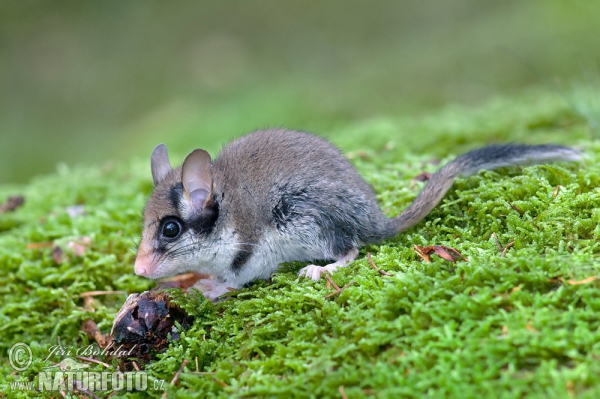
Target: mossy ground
{"x": 512, "y": 326}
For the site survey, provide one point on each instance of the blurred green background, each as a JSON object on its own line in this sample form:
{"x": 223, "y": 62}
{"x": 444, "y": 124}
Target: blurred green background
{"x": 93, "y": 81}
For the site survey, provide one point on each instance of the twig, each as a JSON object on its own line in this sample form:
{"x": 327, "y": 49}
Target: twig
{"x": 95, "y": 293}
{"x": 78, "y": 385}
{"x": 500, "y": 246}
{"x": 221, "y": 383}
{"x": 87, "y": 303}
{"x": 374, "y": 266}
{"x": 60, "y": 344}
{"x": 92, "y": 330}
{"x": 177, "y": 374}
{"x": 340, "y": 290}
{"x": 517, "y": 208}
{"x": 91, "y": 360}
{"x": 510, "y": 244}
{"x": 331, "y": 281}
{"x": 343, "y": 392}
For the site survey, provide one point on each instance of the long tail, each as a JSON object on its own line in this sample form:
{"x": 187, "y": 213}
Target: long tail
{"x": 490, "y": 157}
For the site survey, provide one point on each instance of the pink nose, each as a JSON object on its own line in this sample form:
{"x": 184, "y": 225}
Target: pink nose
{"x": 142, "y": 266}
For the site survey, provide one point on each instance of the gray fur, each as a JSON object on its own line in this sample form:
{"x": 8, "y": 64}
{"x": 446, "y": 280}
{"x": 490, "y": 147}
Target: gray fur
{"x": 282, "y": 195}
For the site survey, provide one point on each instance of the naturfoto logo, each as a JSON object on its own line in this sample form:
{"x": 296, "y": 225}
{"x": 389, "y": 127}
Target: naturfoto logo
{"x": 70, "y": 374}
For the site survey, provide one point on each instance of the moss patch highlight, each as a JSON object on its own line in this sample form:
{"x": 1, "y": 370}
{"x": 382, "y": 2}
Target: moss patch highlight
{"x": 523, "y": 324}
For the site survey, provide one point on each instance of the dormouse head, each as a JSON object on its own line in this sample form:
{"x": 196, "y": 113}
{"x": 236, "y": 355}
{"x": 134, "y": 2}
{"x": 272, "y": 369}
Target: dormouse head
{"x": 179, "y": 215}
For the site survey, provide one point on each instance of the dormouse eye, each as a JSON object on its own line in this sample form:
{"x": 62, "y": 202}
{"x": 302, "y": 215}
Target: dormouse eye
{"x": 171, "y": 229}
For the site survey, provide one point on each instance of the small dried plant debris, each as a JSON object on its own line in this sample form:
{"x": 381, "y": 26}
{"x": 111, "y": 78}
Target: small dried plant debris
{"x": 177, "y": 374}
{"x": 374, "y": 266}
{"x": 498, "y": 243}
{"x": 501, "y": 247}
{"x": 423, "y": 176}
{"x": 183, "y": 281}
{"x": 531, "y": 328}
{"x": 96, "y": 293}
{"x": 58, "y": 255}
{"x": 92, "y": 360}
{"x": 12, "y": 204}
{"x": 145, "y": 325}
{"x": 586, "y": 280}
{"x": 556, "y": 191}
{"x": 517, "y": 208}
{"x": 510, "y": 244}
{"x": 40, "y": 245}
{"x": 450, "y": 254}
{"x": 335, "y": 286}
{"x": 93, "y": 332}
{"x": 76, "y": 247}
{"x": 570, "y": 387}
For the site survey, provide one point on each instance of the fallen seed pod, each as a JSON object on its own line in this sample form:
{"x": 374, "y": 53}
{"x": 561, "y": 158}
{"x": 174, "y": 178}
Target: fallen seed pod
{"x": 143, "y": 325}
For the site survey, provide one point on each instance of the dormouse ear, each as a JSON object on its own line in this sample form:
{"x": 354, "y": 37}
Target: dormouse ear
{"x": 196, "y": 177}
{"x": 159, "y": 163}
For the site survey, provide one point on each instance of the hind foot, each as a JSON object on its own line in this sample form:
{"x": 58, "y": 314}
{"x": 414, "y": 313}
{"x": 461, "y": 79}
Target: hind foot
{"x": 314, "y": 271}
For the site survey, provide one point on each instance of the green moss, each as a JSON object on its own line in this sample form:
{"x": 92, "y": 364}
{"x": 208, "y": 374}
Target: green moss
{"x": 497, "y": 326}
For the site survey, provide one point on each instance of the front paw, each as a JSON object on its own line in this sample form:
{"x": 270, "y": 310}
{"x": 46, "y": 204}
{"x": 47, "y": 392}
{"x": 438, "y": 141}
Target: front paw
{"x": 212, "y": 289}
{"x": 314, "y": 272}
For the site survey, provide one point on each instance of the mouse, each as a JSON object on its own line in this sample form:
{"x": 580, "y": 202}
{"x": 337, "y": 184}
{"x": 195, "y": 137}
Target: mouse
{"x": 276, "y": 196}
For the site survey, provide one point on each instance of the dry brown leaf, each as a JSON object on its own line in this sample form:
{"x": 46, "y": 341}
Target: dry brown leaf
{"x": 183, "y": 281}
{"x": 447, "y": 253}
{"x": 419, "y": 250}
